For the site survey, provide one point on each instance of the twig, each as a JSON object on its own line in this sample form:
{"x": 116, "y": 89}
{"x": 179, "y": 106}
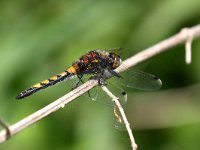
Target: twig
{"x": 6, "y": 126}
{"x": 38, "y": 115}
{"x": 179, "y": 38}
{"x": 116, "y": 100}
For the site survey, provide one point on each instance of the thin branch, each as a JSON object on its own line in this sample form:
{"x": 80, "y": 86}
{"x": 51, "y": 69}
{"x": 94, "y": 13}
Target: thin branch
{"x": 121, "y": 110}
{"x": 179, "y": 38}
{"x": 6, "y": 126}
{"x": 188, "y": 45}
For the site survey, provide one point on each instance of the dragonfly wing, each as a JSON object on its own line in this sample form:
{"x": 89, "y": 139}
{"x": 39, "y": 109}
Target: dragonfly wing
{"x": 98, "y": 95}
{"x": 142, "y": 81}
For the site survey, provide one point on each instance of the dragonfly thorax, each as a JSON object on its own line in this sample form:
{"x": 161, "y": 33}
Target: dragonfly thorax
{"x": 96, "y": 61}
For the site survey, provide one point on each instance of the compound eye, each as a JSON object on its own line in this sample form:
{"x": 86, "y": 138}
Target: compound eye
{"x": 111, "y": 57}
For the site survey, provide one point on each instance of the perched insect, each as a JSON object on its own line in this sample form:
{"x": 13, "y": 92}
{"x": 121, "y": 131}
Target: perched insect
{"x": 100, "y": 64}
{"x": 94, "y": 62}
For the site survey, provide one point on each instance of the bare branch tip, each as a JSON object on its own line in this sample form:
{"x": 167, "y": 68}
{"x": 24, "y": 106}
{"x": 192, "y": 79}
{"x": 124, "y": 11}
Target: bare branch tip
{"x": 188, "y": 34}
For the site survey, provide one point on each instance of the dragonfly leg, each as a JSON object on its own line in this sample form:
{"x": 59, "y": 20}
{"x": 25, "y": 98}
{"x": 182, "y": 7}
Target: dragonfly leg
{"x": 114, "y": 73}
{"x": 80, "y": 80}
{"x": 101, "y": 81}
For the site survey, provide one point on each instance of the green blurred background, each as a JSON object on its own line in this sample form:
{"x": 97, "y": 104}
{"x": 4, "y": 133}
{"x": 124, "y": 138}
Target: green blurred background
{"x": 41, "y": 38}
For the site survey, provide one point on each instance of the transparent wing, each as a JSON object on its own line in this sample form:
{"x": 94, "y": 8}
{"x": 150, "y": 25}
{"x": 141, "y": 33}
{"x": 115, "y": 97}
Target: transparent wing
{"x": 134, "y": 79}
{"x": 141, "y": 80}
{"x": 96, "y": 94}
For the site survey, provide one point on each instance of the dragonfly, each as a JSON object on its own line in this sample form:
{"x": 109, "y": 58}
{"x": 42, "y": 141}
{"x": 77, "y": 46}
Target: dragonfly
{"x": 100, "y": 64}
{"x": 94, "y": 62}
{"x": 97, "y": 63}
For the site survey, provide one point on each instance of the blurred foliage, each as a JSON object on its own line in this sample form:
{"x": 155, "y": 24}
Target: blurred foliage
{"x": 41, "y": 38}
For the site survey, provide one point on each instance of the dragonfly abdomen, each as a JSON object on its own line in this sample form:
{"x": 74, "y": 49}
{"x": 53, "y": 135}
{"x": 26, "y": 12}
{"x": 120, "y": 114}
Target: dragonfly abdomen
{"x": 46, "y": 83}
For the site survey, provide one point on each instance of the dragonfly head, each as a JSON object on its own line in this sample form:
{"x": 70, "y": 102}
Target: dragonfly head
{"x": 114, "y": 60}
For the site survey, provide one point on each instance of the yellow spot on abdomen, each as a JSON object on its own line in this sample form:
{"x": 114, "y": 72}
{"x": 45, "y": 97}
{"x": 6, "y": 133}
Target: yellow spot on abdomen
{"x": 62, "y": 74}
{"x": 37, "y": 85}
{"x": 71, "y": 70}
{"x": 45, "y": 82}
{"x": 54, "y": 78}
